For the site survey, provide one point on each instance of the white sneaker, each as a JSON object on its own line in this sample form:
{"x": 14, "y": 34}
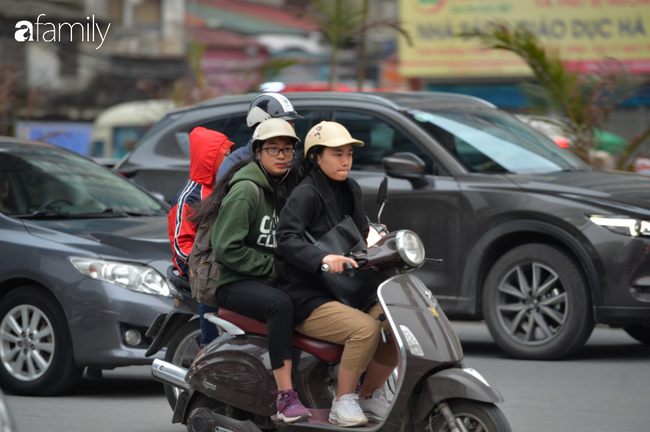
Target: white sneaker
{"x": 346, "y": 412}
{"x": 376, "y": 407}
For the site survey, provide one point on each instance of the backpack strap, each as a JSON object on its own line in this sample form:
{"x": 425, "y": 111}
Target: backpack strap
{"x": 257, "y": 189}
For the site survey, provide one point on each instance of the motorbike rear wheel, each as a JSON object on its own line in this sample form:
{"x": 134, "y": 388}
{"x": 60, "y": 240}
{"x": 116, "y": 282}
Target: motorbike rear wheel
{"x": 203, "y": 401}
{"x": 182, "y": 351}
{"x": 201, "y": 423}
{"x": 475, "y": 416}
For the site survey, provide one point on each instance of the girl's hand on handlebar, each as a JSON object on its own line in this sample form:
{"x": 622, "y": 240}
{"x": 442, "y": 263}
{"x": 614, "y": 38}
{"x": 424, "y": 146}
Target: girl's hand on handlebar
{"x": 335, "y": 262}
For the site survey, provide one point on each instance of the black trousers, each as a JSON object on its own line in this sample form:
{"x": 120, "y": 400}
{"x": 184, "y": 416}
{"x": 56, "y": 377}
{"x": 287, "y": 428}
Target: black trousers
{"x": 260, "y": 301}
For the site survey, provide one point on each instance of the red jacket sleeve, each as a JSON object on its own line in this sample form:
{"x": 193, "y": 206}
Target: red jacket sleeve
{"x": 184, "y": 233}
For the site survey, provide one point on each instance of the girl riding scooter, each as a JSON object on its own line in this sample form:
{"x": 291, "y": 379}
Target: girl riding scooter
{"x": 328, "y": 151}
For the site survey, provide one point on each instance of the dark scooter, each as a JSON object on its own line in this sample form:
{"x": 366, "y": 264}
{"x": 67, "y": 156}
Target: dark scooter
{"x": 179, "y": 330}
{"x": 228, "y": 386}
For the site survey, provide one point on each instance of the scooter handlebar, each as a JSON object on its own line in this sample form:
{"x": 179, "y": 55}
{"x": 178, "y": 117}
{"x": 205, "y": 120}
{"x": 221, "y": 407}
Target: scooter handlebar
{"x": 325, "y": 268}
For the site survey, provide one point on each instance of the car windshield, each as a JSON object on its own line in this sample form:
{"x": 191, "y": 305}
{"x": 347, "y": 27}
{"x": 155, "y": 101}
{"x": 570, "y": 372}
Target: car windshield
{"x": 494, "y": 141}
{"x": 49, "y": 181}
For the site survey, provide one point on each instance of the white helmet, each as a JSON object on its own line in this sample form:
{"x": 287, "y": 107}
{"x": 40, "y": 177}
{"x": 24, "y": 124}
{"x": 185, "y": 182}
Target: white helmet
{"x": 270, "y": 105}
{"x": 273, "y": 127}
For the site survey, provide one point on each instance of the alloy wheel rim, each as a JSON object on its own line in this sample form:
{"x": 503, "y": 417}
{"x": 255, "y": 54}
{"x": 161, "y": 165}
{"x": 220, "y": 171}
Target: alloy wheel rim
{"x": 532, "y": 304}
{"x": 186, "y": 353}
{"x": 470, "y": 422}
{"x": 27, "y": 343}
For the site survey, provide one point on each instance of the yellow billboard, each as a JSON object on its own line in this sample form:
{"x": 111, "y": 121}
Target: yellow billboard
{"x": 583, "y": 31}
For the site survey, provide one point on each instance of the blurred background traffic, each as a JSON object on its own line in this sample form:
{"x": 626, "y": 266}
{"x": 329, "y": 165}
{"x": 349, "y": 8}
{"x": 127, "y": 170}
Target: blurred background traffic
{"x": 94, "y": 75}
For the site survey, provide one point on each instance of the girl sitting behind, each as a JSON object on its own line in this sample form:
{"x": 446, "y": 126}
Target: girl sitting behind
{"x": 244, "y": 209}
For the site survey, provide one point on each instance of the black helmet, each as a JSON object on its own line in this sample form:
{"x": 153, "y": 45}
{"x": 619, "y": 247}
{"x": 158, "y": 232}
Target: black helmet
{"x": 270, "y": 105}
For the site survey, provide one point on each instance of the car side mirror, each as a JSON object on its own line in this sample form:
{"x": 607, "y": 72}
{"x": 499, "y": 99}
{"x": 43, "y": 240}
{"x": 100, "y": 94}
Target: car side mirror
{"x": 405, "y": 165}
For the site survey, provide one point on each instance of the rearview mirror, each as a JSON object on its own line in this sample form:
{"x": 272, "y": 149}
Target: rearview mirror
{"x": 382, "y": 197}
{"x": 405, "y": 165}
{"x": 382, "y": 194}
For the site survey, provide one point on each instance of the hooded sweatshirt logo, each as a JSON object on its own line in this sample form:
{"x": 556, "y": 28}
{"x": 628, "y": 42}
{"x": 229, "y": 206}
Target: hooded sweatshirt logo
{"x": 267, "y": 228}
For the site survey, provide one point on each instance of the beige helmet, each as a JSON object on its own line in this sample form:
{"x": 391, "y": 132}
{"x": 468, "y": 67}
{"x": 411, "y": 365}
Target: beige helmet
{"x": 329, "y": 134}
{"x": 271, "y": 128}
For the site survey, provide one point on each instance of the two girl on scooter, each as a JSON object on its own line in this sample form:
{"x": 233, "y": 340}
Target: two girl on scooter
{"x": 245, "y": 212}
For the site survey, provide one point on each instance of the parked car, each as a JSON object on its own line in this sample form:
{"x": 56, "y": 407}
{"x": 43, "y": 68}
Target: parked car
{"x": 533, "y": 240}
{"x": 82, "y": 256}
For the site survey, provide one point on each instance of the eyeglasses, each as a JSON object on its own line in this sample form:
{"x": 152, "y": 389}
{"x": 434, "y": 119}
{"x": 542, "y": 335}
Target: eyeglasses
{"x": 274, "y": 151}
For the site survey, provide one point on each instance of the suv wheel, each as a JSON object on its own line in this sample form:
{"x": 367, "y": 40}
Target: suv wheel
{"x": 537, "y": 304}
{"x": 35, "y": 348}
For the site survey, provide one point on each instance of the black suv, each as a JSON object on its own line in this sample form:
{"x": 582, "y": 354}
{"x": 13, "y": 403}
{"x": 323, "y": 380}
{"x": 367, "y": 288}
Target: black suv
{"x": 533, "y": 240}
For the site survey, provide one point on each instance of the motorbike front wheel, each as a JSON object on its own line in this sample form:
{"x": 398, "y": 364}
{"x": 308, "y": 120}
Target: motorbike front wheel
{"x": 473, "y": 415}
{"x": 182, "y": 351}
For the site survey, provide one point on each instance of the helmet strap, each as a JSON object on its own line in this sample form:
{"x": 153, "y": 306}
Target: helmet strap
{"x": 278, "y": 179}
{"x": 314, "y": 162}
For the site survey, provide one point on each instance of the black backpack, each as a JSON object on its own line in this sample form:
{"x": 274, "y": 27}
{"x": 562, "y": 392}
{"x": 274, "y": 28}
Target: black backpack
{"x": 203, "y": 267}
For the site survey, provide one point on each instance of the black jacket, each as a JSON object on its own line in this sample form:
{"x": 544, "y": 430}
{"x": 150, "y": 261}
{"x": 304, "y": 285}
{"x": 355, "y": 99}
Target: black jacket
{"x": 297, "y": 260}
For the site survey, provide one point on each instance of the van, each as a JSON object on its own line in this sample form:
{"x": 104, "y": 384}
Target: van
{"x": 118, "y": 128}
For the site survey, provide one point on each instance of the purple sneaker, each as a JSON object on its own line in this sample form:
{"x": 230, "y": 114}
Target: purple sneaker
{"x": 289, "y": 407}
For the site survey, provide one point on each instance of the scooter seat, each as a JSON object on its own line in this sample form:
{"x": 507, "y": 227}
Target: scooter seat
{"x": 330, "y": 352}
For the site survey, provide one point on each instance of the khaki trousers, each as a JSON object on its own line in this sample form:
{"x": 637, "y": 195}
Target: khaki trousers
{"x": 358, "y": 331}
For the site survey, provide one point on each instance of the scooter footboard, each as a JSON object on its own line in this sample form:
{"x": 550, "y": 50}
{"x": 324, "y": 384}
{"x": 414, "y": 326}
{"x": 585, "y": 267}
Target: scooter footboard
{"x": 454, "y": 383}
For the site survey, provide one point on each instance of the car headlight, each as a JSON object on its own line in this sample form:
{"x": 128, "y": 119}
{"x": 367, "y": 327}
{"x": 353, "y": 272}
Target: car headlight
{"x": 410, "y": 248}
{"x": 134, "y": 277}
{"x": 623, "y": 225}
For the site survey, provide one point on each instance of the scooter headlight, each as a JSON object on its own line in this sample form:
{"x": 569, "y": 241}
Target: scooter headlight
{"x": 410, "y": 248}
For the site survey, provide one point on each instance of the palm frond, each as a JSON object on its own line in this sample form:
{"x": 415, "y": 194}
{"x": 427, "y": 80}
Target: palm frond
{"x": 577, "y": 103}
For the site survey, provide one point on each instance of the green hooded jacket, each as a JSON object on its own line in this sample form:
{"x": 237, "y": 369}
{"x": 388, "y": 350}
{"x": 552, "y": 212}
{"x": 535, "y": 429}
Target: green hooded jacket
{"x": 243, "y": 238}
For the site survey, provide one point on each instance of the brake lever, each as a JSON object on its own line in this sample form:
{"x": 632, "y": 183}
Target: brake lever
{"x": 349, "y": 269}
{"x": 381, "y": 230}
